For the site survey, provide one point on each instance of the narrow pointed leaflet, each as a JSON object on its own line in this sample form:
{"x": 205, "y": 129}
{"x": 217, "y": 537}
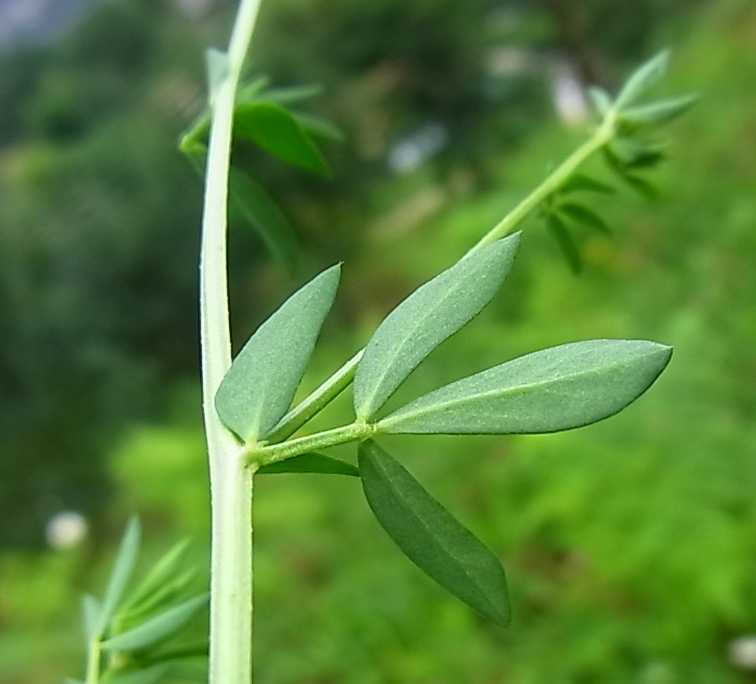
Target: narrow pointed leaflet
{"x": 431, "y": 537}
{"x": 430, "y": 315}
{"x": 579, "y": 182}
{"x": 550, "y": 390}
{"x": 158, "y": 628}
{"x": 660, "y": 112}
{"x": 583, "y": 215}
{"x": 258, "y": 388}
{"x": 260, "y": 210}
{"x": 642, "y": 79}
{"x": 121, "y": 573}
{"x": 163, "y": 573}
{"x": 564, "y": 239}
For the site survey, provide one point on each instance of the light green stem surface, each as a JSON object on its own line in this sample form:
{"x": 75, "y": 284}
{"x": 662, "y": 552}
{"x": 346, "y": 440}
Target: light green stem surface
{"x": 258, "y": 456}
{"x": 230, "y": 479}
{"x": 94, "y": 654}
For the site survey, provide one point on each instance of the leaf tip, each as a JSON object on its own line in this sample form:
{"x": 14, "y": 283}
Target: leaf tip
{"x": 665, "y": 352}
{"x": 515, "y": 238}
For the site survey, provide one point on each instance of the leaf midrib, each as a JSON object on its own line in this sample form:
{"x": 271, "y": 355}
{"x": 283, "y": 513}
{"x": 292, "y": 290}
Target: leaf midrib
{"x": 399, "y": 417}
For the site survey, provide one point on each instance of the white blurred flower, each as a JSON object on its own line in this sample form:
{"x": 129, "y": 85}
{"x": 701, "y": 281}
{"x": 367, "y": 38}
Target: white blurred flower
{"x": 742, "y": 652}
{"x": 66, "y": 529}
{"x": 569, "y": 101}
{"x": 411, "y": 152}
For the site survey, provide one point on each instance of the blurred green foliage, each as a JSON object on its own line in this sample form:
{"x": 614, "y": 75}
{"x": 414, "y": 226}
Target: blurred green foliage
{"x": 630, "y": 545}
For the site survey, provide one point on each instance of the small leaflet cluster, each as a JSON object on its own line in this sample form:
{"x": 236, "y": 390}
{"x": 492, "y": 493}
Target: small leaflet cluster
{"x": 133, "y": 634}
{"x": 262, "y": 121}
{"x": 635, "y": 148}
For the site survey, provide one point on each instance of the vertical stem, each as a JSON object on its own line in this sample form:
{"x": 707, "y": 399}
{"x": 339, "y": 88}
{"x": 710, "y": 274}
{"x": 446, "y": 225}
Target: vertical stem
{"x": 230, "y": 480}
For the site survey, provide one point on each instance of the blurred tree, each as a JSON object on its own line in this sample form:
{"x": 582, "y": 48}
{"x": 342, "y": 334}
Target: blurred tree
{"x": 595, "y": 34}
{"x": 98, "y": 221}
{"x": 18, "y": 77}
{"x": 99, "y": 302}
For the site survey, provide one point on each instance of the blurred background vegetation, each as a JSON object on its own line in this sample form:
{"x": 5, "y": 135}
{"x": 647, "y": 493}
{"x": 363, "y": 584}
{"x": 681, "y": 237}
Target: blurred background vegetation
{"x": 630, "y": 545}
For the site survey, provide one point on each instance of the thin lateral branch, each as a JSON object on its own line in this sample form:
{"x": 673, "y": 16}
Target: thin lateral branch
{"x": 258, "y": 455}
{"x": 315, "y": 402}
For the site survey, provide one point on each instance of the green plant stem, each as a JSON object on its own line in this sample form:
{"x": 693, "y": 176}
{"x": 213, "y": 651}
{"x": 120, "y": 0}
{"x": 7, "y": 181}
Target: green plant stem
{"x": 258, "y": 456}
{"x": 315, "y": 402}
{"x": 230, "y": 479}
{"x": 94, "y": 655}
{"x": 509, "y": 223}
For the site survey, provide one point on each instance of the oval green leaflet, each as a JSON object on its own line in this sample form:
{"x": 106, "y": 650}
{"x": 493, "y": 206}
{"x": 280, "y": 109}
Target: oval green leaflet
{"x": 431, "y": 537}
{"x": 554, "y": 389}
{"x": 258, "y": 388}
{"x": 430, "y": 315}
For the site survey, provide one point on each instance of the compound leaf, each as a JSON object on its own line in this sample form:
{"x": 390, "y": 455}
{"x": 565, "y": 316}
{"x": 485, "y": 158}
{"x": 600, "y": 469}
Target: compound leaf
{"x": 311, "y": 463}
{"x": 554, "y": 389}
{"x": 431, "y": 537}
{"x": 158, "y": 628}
{"x": 258, "y": 388}
{"x": 431, "y": 314}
